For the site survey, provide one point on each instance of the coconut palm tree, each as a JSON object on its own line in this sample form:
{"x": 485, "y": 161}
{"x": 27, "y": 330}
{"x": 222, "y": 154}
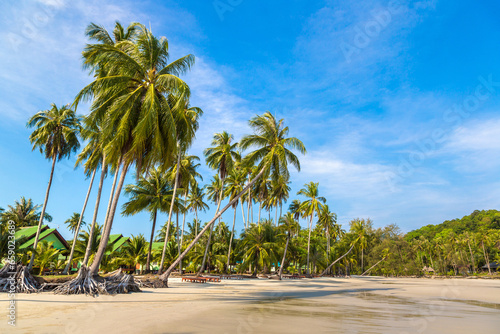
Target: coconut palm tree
{"x": 261, "y": 244}
{"x": 94, "y": 159}
{"x": 280, "y": 191}
{"x": 186, "y": 175}
{"x": 153, "y": 194}
{"x": 24, "y": 213}
{"x": 46, "y": 255}
{"x": 187, "y": 125}
{"x": 195, "y": 202}
{"x": 295, "y": 209}
{"x": 92, "y": 131}
{"x": 262, "y": 191}
{"x": 309, "y": 208}
{"x": 132, "y": 253}
{"x": 289, "y": 225}
{"x": 359, "y": 229}
{"x": 56, "y": 136}
{"x": 234, "y": 186}
{"x": 327, "y": 221}
{"x": 85, "y": 238}
{"x": 222, "y": 156}
{"x": 215, "y": 193}
{"x": 93, "y": 154}
{"x": 137, "y": 100}
{"x": 271, "y": 157}
{"x": 73, "y": 221}
{"x": 483, "y": 236}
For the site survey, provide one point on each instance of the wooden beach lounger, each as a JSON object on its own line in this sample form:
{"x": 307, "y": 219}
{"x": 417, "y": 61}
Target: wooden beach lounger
{"x": 194, "y": 279}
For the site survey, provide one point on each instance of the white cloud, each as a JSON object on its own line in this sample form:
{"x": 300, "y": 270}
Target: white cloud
{"x": 474, "y": 147}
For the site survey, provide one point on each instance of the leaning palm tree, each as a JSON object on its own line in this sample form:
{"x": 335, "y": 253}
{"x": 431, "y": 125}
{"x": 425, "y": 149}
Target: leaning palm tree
{"x": 151, "y": 193}
{"x": 137, "y": 100}
{"x": 187, "y": 122}
{"x": 93, "y": 154}
{"x": 56, "y": 136}
{"x": 222, "y": 156}
{"x": 289, "y": 225}
{"x": 271, "y": 157}
{"x": 24, "y": 213}
{"x": 309, "y": 208}
{"x": 95, "y": 158}
{"x": 92, "y": 131}
{"x": 235, "y": 185}
{"x": 186, "y": 175}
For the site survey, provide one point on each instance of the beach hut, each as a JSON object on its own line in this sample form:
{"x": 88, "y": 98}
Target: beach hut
{"x": 493, "y": 265}
{"x": 27, "y": 235}
{"x": 428, "y": 270}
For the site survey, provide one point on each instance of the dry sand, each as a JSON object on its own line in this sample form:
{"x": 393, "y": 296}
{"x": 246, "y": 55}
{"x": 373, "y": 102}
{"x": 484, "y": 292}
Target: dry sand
{"x": 326, "y": 305}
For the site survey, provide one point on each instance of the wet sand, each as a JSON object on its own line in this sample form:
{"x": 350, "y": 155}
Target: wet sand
{"x": 326, "y": 305}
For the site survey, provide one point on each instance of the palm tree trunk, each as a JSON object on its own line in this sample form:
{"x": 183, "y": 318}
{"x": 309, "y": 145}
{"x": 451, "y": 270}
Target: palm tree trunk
{"x": 113, "y": 188}
{"x": 94, "y": 218}
{"x": 231, "y": 241}
{"x": 251, "y": 209}
{"x": 327, "y": 241}
{"x": 243, "y": 214}
{"x": 249, "y": 196}
{"x": 362, "y": 259}
{"x": 94, "y": 268}
{"x": 150, "y": 248}
{"x": 471, "y": 257}
{"x": 284, "y": 255}
{"x": 260, "y": 209}
{"x": 309, "y": 243}
{"x": 363, "y": 274}
{"x": 40, "y": 222}
{"x": 486, "y": 258}
{"x": 207, "y": 246}
{"x": 337, "y": 260}
{"x": 170, "y": 212}
{"x": 165, "y": 275}
{"x": 182, "y": 232}
{"x": 77, "y": 230}
{"x": 177, "y": 238}
{"x": 196, "y": 223}
{"x": 276, "y": 217}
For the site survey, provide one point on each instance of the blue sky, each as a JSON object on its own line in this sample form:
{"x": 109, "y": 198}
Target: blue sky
{"x": 396, "y": 101}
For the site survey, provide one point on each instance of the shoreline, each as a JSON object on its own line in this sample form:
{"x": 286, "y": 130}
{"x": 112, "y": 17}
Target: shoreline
{"x": 265, "y": 306}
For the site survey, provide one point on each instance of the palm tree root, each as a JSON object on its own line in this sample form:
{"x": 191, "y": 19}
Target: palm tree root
{"x": 85, "y": 283}
{"x": 17, "y": 278}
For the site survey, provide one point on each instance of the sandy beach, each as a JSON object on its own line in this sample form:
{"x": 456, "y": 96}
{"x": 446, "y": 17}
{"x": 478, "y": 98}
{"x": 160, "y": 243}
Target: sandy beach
{"x": 326, "y": 305}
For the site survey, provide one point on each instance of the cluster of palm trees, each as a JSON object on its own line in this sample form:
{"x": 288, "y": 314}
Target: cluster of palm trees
{"x": 140, "y": 117}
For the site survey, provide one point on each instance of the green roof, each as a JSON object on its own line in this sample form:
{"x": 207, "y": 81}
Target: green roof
{"x": 116, "y": 240}
{"x": 24, "y": 232}
{"x": 30, "y": 232}
{"x": 119, "y": 243}
{"x": 114, "y": 237}
{"x": 157, "y": 246}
